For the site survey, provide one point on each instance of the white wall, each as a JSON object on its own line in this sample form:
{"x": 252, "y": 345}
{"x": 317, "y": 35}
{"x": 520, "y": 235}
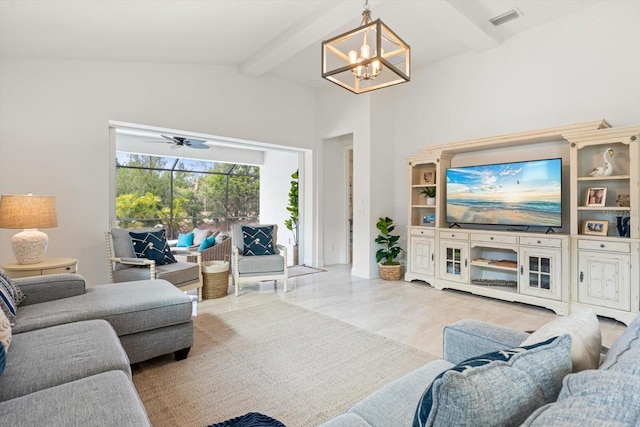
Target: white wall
{"x": 334, "y": 208}
{"x": 54, "y": 132}
{"x": 581, "y": 68}
{"x": 275, "y": 182}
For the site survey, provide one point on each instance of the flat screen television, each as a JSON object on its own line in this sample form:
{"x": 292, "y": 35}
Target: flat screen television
{"x": 527, "y": 193}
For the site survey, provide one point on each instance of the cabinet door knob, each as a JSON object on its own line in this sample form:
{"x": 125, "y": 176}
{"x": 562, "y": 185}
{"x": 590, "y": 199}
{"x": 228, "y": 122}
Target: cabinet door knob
{"x": 433, "y": 256}
{"x": 491, "y": 238}
{"x": 539, "y": 242}
{"x": 521, "y": 270}
{"x": 581, "y": 276}
{"x": 602, "y": 245}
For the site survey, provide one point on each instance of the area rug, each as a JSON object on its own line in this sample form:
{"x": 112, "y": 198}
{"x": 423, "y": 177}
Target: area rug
{"x": 302, "y": 270}
{"x": 297, "y": 366}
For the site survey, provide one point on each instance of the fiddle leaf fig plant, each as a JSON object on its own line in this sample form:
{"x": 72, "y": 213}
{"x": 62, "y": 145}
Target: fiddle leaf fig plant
{"x": 292, "y": 222}
{"x": 390, "y": 248}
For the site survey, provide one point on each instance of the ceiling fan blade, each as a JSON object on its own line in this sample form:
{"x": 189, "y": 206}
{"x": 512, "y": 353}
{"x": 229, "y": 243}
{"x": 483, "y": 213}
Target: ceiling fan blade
{"x": 170, "y": 138}
{"x": 175, "y": 146}
{"x": 198, "y": 146}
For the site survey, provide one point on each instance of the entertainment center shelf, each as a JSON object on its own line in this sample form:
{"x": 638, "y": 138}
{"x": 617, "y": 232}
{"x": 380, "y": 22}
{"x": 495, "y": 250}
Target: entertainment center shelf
{"x": 586, "y": 259}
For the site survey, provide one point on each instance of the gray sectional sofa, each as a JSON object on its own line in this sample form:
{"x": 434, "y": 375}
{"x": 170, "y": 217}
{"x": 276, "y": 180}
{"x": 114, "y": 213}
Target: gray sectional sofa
{"x": 72, "y": 346}
{"x": 609, "y": 395}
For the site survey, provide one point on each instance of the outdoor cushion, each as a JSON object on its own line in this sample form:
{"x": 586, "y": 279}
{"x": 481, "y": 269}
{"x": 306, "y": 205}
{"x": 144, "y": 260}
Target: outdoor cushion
{"x": 105, "y": 399}
{"x": 152, "y": 245}
{"x": 129, "y": 307}
{"x": 260, "y": 264}
{"x": 184, "y": 240}
{"x": 592, "y": 398}
{"x": 238, "y": 238}
{"x": 52, "y": 356}
{"x": 122, "y": 246}
{"x": 258, "y": 240}
{"x": 178, "y": 273}
{"x": 497, "y": 389}
{"x": 199, "y": 235}
{"x": 207, "y": 243}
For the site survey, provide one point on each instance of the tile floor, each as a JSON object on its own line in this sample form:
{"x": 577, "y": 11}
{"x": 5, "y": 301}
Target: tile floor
{"x": 411, "y": 313}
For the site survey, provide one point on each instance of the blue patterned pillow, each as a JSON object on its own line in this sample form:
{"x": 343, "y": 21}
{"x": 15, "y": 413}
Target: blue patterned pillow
{"x": 500, "y": 388}
{"x": 152, "y": 245}
{"x": 258, "y": 240}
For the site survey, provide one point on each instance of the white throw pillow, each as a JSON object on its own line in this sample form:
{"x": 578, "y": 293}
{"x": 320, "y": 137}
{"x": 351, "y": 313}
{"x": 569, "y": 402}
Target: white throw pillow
{"x": 586, "y": 341}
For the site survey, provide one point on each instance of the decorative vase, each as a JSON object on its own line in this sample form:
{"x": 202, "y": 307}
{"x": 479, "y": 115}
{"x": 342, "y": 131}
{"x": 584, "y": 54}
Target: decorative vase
{"x": 295, "y": 254}
{"x": 622, "y": 224}
{"x": 431, "y": 201}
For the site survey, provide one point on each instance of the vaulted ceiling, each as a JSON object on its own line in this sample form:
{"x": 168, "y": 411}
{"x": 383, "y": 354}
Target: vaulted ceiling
{"x": 278, "y": 38}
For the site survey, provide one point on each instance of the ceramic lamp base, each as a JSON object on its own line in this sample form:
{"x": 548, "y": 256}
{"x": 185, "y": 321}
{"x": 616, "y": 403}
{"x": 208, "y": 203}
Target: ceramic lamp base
{"x": 29, "y": 246}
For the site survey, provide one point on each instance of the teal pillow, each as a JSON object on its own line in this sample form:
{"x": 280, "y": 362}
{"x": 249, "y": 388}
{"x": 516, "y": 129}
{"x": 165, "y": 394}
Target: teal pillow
{"x": 258, "y": 240}
{"x": 497, "y": 389}
{"x": 184, "y": 240}
{"x": 152, "y": 245}
{"x": 207, "y": 243}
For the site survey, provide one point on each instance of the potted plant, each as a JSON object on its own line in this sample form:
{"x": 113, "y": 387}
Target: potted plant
{"x": 292, "y": 223}
{"x": 430, "y": 194}
{"x": 388, "y": 267}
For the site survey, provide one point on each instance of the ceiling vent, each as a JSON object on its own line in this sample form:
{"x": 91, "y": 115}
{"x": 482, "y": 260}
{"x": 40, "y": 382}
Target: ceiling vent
{"x": 505, "y": 17}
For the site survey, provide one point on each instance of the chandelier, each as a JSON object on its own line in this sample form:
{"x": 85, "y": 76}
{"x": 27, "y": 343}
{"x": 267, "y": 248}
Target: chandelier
{"x": 366, "y": 58}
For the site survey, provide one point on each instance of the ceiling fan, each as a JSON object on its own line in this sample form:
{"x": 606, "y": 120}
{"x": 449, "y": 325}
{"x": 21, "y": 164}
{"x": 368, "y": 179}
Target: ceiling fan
{"x": 179, "y": 141}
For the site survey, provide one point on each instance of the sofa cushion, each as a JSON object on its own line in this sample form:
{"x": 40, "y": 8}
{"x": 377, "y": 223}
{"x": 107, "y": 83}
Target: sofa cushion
{"x": 60, "y": 354}
{"x": 152, "y": 245}
{"x": 346, "y": 420}
{"x": 105, "y": 399}
{"x": 395, "y": 404}
{"x": 184, "y": 240}
{"x": 199, "y": 235}
{"x": 178, "y": 273}
{"x": 496, "y": 389}
{"x": 592, "y": 398}
{"x": 586, "y": 342}
{"x": 207, "y": 243}
{"x": 260, "y": 264}
{"x": 624, "y": 353}
{"x": 129, "y": 307}
{"x": 258, "y": 240}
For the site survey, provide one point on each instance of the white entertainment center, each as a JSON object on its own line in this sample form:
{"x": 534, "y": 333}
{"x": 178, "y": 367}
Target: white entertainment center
{"x": 592, "y": 260}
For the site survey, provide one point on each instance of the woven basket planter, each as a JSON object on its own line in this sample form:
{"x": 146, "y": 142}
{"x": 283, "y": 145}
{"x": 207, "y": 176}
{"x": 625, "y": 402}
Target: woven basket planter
{"x": 390, "y": 272}
{"x": 215, "y": 279}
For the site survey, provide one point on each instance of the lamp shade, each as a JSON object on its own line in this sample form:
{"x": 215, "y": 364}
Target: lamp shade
{"x": 27, "y": 211}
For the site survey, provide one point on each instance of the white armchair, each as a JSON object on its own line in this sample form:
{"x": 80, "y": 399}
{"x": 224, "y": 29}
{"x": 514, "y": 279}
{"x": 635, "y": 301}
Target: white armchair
{"x": 257, "y": 268}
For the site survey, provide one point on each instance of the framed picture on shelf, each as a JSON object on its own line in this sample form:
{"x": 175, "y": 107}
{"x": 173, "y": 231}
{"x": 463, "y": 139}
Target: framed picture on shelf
{"x": 429, "y": 177}
{"x": 595, "y": 196}
{"x": 428, "y": 219}
{"x": 595, "y": 226}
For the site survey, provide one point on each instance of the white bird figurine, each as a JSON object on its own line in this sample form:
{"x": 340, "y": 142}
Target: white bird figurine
{"x": 604, "y": 170}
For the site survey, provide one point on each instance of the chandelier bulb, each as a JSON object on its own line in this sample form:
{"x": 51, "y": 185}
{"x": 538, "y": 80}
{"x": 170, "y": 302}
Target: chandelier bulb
{"x": 365, "y": 51}
{"x": 353, "y": 56}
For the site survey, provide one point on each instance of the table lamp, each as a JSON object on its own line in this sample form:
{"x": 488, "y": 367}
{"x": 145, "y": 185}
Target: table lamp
{"x": 28, "y": 212}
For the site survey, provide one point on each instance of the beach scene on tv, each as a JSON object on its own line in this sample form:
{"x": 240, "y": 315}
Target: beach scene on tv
{"x": 520, "y": 193}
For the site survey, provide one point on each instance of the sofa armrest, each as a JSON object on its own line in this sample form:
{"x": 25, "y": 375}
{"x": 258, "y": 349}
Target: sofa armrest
{"x": 50, "y": 287}
{"x": 468, "y": 338}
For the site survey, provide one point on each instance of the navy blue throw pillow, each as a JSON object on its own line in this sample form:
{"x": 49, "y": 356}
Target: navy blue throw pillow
{"x": 258, "y": 240}
{"x": 152, "y": 245}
